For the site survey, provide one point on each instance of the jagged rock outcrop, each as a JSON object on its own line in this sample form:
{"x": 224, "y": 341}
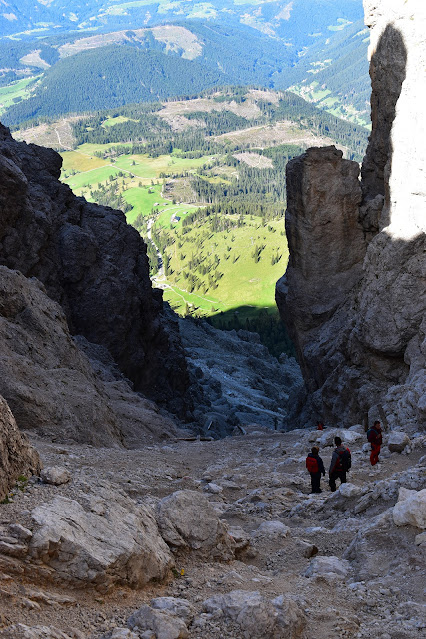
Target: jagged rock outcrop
{"x": 93, "y": 264}
{"x": 51, "y": 385}
{"x": 354, "y": 294}
{"x": 17, "y": 457}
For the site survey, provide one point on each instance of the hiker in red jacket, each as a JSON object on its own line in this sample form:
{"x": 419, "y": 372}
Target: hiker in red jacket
{"x": 339, "y": 465}
{"x": 374, "y": 436}
{"x": 315, "y": 466}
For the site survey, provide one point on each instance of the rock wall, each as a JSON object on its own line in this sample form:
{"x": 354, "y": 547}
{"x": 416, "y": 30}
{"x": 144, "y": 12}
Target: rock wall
{"x": 354, "y": 294}
{"x": 53, "y": 388}
{"x": 17, "y": 457}
{"x": 93, "y": 264}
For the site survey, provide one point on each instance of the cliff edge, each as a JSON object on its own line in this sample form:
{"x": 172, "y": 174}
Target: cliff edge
{"x": 94, "y": 265}
{"x": 354, "y": 294}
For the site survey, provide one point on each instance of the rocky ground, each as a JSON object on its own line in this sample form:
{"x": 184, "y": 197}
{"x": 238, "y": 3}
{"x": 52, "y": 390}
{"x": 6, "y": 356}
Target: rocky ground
{"x": 249, "y": 553}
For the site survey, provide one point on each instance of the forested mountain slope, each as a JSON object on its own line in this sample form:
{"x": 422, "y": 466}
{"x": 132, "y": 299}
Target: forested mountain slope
{"x": 110, "y": 77}
{"x": 312, "y": 45}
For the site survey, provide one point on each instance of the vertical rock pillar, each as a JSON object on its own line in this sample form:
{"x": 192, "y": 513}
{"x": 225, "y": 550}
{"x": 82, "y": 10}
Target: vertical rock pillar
{"x": 326, "y": 245}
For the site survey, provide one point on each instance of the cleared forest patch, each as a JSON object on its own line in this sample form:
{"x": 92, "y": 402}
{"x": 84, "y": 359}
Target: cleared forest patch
{"x": 255, "y": 160}
{"x": 265, "y": 136}
{"x": 55, "y": 135}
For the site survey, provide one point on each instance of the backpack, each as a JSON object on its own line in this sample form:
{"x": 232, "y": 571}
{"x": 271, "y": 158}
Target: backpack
{"x": 312, "y": 464}
{"x": 371, "y": 433}
{"x": 345, "y": 459}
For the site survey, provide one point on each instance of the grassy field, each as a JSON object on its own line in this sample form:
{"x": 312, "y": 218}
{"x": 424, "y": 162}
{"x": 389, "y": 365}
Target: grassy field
{"x": 11, "y": 93}
{"x": 231, "y": 253}
{"x": 90, "y": 178}
{"x": 117, "y": 120}
{"x": 143, "y": 201}
{"x": 80, "y": 162}
{"x": 244, "y": 285}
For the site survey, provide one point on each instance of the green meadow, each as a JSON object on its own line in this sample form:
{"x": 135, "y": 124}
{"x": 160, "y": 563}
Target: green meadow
{"x": 14, "y": 92}
{"x": 233, "y": 286}
{"x": 243, "y": 279}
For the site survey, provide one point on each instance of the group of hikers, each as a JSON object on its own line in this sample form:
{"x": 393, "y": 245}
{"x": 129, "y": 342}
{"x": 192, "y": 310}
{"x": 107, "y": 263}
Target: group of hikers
{"x": 341, "y": 460}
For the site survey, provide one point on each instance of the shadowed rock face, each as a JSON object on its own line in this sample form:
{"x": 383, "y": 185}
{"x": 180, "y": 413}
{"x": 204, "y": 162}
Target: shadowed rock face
{"x": 93, "y": 264}
{"x": 354, "y": 294}
{"x": 17, "y": 457}
{"x": 57, "y": 390}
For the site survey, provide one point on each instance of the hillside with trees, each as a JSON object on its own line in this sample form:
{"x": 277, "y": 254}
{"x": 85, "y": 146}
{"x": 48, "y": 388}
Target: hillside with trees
{"x": 109, "y": 77}
{"x": 203, "y": 180}
{"x": 313, "y": 46}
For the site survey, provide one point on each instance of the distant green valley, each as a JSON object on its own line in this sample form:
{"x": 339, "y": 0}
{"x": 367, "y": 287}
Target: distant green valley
{"x": 203, "y": 180}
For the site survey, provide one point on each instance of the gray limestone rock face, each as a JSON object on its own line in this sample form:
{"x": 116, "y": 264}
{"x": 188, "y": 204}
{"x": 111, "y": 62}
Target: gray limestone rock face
{"x": 238, "y": 381}
{"x": 94, "y": 265}
{"x": 17, "y": 457}
{"x": 354, "y": 294}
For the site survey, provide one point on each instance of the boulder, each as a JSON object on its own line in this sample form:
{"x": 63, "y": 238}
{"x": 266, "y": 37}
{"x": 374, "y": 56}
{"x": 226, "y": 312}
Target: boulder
{"x": 187, "y": 520}
{"x": 397, "y": 441}
{"x": 123, "y": 633}
{"x": 357, "y": 428}
{"x": 410, "y": 508}
{"x": 118, "y": 544}
{"x": 55, "y": 475}
{"x": 346, "y": 435}
{"x": 420, "y": 540}
{"x": 240, "y": 537}
{"x": 164, "y": 624}
{"x": 17, "y": 457}
{"x": 381, "y": 534}
{"x": 213, "y": 488}
{"x": 174, "y": 606}
{"x": 257, "y": 616}
{"x": 22, "y": 631}
{"x": 328, "y": 567}
{"x": 350, "y": 490}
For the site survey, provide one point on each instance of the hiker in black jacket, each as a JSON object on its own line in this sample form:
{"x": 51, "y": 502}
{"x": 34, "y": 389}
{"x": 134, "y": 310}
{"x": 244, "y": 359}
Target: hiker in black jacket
{"x": 315, "y": 466}
{"x": 339, "y": 465}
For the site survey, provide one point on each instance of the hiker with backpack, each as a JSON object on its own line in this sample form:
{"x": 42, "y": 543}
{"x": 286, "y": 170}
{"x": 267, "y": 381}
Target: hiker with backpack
{"x": 315, "y": 466}
{"x": 374, "y": 436}
{"x": 339, "y": 465}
